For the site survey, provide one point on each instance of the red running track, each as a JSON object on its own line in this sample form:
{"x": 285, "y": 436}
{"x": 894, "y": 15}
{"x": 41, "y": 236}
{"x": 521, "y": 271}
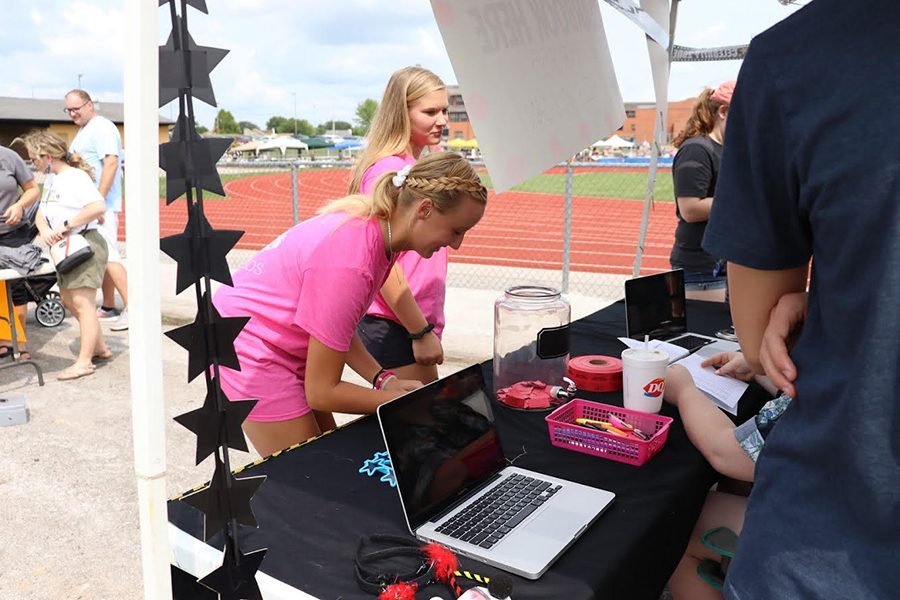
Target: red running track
{"x": 519, "y": 229}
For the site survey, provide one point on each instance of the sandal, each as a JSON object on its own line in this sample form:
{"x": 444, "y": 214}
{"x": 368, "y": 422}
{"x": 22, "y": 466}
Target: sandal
{"x": 5, "y": 352}
{"x": 24, "y": 355}
{"x": 74, "y": 372}
{"x": 103, "y": 356}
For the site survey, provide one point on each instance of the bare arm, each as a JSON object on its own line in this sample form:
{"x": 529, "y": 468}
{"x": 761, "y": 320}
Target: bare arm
{"x": 754, "y": 293}
{"x": 711, "y": 432}
{"x": 108, "y": 173}
{"x": 30, "y": 194}
{"x": 694, "y": 210}
{"x": 785, "y": 322}
{"x": 326, "y": 392}
{"x": 399, "y": 298}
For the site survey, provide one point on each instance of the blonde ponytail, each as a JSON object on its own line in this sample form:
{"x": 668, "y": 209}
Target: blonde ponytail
{"x": 41, "y": 142}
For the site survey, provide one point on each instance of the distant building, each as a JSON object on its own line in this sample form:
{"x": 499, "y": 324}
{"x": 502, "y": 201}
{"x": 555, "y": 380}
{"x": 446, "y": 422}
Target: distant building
{"x": 18, "y": 116}
{"x": 640, "y": 119}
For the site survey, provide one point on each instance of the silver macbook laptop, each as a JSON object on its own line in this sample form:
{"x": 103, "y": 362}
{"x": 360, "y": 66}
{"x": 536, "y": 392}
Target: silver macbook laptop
{"x": 655, "y": 306}
{"x": 456, "y": 488}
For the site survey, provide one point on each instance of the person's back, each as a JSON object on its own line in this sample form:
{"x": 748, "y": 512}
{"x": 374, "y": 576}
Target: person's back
{"x": 812, "y": 167}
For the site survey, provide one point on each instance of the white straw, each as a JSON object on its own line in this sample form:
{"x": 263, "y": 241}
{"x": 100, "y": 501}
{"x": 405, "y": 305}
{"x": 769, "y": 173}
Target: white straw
{"x": 646, "y": 342}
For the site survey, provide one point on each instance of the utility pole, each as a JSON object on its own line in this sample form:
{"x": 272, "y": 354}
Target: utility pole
{"x": 79, "y": 80}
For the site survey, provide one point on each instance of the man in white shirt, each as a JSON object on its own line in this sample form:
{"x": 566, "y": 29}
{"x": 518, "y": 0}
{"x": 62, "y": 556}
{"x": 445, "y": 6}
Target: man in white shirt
{"x": 99, "y": 143}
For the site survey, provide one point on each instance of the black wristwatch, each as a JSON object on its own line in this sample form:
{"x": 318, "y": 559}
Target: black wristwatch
{"x": 420, "y": 334}
{"x": 66, "y": 225}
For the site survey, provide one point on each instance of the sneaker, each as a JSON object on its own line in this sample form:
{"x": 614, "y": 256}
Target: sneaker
{"x": 107, "y": 314}
{"x": 121, "y": 323}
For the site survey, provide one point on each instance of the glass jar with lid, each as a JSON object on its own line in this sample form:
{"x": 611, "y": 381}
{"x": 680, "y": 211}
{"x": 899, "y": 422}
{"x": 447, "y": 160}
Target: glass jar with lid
{"x": 531, "y": 336}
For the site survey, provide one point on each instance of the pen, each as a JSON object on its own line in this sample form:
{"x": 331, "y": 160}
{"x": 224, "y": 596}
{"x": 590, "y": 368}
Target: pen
{"x": 616, "y": 421}
{"x": 601, "y": 426}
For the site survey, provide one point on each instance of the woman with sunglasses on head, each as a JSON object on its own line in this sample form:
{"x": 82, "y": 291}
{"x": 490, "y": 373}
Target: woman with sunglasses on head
{"x": 403, "y": 326}
{"x": 70, "y": 203}
{"x": 16, "y": 216}
{"x": 306, "y": 292}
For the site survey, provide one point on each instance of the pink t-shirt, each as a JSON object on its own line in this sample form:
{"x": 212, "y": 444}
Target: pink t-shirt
{"x": 427, "y": 276}
{"x": 316, "y": 279}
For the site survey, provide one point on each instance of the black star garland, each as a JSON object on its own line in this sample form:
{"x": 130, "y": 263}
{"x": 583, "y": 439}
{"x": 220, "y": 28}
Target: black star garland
{"x": 200, "y": 251}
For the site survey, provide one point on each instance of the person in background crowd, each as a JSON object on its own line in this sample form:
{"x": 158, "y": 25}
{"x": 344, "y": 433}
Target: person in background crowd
{"x": 71, "y": 203}
{"x": 695, "y": 171}
{"x": 16, "y": 225}
{"x": 822, "y": 519}
{"x": 306, "y": 292}
{"x": 402, "y": 329}
{"x": 99, "y": 143}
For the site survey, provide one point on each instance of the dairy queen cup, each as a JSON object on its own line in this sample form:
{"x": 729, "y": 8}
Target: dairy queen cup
{"x": 644, "y": 378}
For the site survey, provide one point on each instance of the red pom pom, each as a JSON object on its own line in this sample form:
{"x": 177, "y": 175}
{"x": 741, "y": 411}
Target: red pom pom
{"x": 399, "y": 591}
{"x": 444, "y": 561}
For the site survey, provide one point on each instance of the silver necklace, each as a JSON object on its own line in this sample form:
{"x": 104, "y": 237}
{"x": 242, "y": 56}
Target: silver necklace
{"x": 390, "y": 241}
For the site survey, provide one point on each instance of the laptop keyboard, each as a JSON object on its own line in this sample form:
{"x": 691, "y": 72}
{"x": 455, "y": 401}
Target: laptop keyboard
{"x": 691, "y": 342}
{"x": 486, "y": 521}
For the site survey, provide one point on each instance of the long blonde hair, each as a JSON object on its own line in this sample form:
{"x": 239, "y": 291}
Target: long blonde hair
{"x": 390, "y": 130}
{"x": 40, "y": 142}
{"x": 445, "y": 178}
{"x": 702, "y": 120}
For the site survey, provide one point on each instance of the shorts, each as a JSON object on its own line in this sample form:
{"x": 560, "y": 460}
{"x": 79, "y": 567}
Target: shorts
{"x": 387, "y": 341}
{"x": 110, "y": 231}
{"x": 695, "y": 281}
{"x": 88, "y": 274}
{"x": 14, "y": 239}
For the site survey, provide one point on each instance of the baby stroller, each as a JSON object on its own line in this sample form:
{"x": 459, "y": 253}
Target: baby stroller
{"x": 50, "y": 311}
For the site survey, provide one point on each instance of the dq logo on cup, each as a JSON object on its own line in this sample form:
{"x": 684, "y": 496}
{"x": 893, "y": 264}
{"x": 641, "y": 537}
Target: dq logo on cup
{"x": 655, "y": 388}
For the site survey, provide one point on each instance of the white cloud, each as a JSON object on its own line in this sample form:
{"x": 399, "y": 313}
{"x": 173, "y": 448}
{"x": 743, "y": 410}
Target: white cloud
{"x": 332, "y": 55}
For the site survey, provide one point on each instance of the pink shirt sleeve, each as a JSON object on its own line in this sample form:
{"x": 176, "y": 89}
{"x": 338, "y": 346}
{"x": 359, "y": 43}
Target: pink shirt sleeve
{"x": 331, "y": 303}
{"x": 381, "y": 166}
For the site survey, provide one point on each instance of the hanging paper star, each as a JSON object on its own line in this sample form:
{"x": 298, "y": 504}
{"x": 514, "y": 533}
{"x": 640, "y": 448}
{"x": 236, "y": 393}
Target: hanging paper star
{"x": 184, "y": 587}
{"x": 173, "y": 74}
{"x": 198, "y": 4}
{"x": 221, "y": 502}
{"x": 199, "y": 254}
{"x": 204, "y": 422}
{"x": 201, "y": 170}
{"x": 236, "y": 578}
{"x": 193, "y": 338}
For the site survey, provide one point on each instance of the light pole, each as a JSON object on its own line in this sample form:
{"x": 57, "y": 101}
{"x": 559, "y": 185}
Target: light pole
{"x": 295, "y": 114}
{"x": 79, "y": 81}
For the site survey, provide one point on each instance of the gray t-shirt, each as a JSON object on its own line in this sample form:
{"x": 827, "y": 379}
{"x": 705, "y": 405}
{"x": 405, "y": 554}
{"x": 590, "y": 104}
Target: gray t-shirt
{"x": 14, "y": 174}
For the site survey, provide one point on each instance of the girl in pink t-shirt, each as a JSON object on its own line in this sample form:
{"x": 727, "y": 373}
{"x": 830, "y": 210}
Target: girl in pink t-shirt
{"x": 402, "y": 328}
{"x": 307, "y": 290}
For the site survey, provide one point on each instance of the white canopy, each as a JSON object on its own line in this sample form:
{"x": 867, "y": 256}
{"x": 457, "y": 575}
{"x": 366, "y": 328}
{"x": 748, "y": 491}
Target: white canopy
{"x": 614, "y": 142}
{"x": 282, "y": 144}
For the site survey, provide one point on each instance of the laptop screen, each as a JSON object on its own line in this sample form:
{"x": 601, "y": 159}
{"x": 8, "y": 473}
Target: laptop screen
{"x": 654, "y": 306}
{"x": 442, "y": 442}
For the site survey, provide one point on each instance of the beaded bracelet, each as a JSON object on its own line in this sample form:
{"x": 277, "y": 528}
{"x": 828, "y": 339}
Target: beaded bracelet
{"x": 376, "y": 376}
{"x": 382, "y": 378}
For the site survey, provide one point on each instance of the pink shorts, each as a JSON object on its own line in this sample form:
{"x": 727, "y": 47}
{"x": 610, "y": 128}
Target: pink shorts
{"x": 279, "y": 389}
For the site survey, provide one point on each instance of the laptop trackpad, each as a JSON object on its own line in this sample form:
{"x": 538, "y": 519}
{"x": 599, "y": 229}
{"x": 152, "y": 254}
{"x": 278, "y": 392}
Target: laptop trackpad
{"x": 556, "y": 524}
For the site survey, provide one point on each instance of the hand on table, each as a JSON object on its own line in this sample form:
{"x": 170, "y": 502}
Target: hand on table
{"x": 730, "y": 364}
{"x": 678, "y": 379}
{"x": 428, "y": 350}
{"x": 785, "y": 323}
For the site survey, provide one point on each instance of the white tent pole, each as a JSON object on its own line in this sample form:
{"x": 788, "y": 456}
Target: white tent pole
{"x": 659, "y": 132}
{"x": 142, "y": 232}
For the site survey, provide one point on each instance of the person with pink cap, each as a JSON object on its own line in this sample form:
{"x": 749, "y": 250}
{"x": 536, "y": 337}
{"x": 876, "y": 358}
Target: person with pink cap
{"x": 695, "y": 171}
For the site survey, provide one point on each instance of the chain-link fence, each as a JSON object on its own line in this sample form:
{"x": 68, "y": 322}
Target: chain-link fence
{"x": 574, "y": 227}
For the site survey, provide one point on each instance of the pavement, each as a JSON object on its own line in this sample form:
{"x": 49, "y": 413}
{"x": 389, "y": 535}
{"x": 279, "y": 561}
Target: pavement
{"x": 68, "y": 496}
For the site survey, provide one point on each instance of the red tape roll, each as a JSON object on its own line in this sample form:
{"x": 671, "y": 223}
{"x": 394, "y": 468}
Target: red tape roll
{"x": 595, "y": 373}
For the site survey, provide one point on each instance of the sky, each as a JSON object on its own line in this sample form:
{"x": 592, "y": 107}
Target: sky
{"x": 318, "y": 60}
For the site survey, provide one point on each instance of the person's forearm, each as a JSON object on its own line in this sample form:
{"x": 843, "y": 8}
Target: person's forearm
{"x": 399, "y": 298}
{"x": 360, "y": 360}
{"x": 694, "y": 210}
{"x": 712, "y": 433}
{"x": 30, "y": 194}
{"x": 89, "y": 213}
{"x": 108, "y": 174}
{"x": 753, "y": 293}
{"x": 347, "y": 397}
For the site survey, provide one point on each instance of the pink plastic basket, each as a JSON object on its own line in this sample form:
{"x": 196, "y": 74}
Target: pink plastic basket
{"x": 565, "y": 433}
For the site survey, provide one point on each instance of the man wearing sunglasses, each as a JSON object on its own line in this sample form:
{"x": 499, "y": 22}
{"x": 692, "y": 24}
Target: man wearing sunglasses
{"x": 99, "y": 143}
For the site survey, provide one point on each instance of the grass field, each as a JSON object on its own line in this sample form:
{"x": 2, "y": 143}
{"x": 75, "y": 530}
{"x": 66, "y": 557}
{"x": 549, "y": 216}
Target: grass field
{"x": 601, "y": 184}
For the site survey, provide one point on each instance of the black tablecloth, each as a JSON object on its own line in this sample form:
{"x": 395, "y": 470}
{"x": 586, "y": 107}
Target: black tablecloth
{"x": 315, "y": 504}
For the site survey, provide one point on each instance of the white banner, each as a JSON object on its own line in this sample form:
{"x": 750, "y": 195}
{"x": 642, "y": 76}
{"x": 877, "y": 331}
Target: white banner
{"x": 637, "y": 15}
{"x": 537, "y": 80}
{"x": 685, "y": 54}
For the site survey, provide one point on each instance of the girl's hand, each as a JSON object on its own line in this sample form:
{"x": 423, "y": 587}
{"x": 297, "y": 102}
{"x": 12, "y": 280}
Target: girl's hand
{"x": 428, "y": 350}
{"x": 730, "y": 364}
{"x": 51, "y": 236}
{"x": 678, "y": 379}
{"x": 401, "y": 385}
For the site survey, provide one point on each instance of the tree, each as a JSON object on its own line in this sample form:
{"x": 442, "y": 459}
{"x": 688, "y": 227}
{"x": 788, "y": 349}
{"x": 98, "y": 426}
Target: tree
{"x": 365, "y": 112}
{"x": 285, "y": 125}
{"x": 201, "y": 129}
{"x": 247, "y": 125}
{"x": 333, "y": 125}
{"x": 225, "y": 123}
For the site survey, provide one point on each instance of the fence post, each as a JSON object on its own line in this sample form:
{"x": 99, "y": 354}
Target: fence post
{"x": 567, "y": 227}
{"x": 295, "y": 202}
